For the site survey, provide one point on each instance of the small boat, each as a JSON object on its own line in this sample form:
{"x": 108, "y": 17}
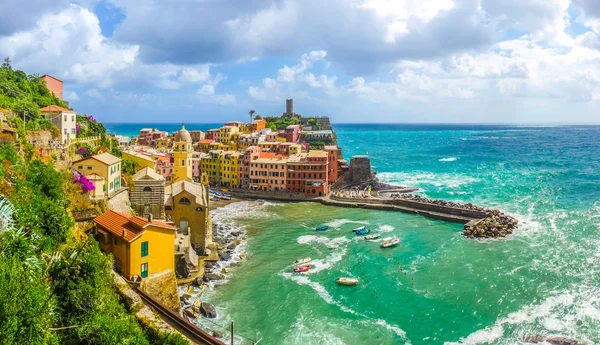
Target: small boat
{"x": 359, "y": 229}
{"x": 303, "y": 268}
{"x": 322, "y": 228}
{"x": 372, "y": 237}
{"x": 389, "y": 243}
{"x": 302, "y": 261}
{"x": 214, "y": 198}
{"x": 362, "y": 232}
{"x": 347, "y": 281}
{"x": 333, "y": 246}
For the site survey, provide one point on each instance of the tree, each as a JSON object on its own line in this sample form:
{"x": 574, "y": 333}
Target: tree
{"x": 6, "y": 64}
{"x": 257, "y": 117}
{"x": 251, "y": 113}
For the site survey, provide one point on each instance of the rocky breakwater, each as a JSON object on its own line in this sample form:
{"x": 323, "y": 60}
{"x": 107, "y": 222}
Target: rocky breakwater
{"x": 495, "y": 224}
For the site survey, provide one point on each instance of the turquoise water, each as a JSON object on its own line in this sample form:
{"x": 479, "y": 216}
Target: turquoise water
{"x": 436, "y": 287}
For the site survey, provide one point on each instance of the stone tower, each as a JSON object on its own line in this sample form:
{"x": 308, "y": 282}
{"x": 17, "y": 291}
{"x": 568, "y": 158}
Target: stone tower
{"x": 289, "y": 106}
{"x": 182, "y": 156}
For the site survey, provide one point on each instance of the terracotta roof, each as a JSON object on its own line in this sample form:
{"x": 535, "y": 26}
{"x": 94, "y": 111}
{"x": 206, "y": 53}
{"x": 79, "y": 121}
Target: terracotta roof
{"x": 48, "y": 75}
{"x": 205, "y": 141}
{"x": 94, "y": 177}
{"x": 117, "y": 222}
{"x": 55, "y": 108}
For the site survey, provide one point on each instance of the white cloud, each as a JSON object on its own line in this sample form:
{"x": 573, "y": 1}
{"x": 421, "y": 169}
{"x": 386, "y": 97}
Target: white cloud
{"x": 94, "y": 93}
{"x": 208, "y": 94}
{"x": 71, "y": 96}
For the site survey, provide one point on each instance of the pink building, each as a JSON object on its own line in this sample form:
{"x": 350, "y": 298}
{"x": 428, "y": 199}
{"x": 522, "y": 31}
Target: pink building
{"x": 54, "y": 85}
{"x": 267, "y": 172}
{"x": 164, "y": 166}
{"x": 272, "y": 137}
{"x": 213, "y": 134}
{"x": 291, "y": 134}
{"x": 244, "y": 161}
{"x": 197, "y": 165}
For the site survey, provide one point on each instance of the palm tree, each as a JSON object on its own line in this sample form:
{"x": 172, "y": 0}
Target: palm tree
{"x": 251, "y": 113}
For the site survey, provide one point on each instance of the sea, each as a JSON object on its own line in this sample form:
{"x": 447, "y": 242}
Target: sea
{"x": 435, "y": 287}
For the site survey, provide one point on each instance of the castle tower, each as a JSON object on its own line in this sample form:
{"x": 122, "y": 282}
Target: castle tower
{"x": 289, "y": 106}
{"x": 182, "y": 156}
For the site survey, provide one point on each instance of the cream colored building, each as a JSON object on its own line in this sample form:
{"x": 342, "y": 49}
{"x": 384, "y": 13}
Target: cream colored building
{"x": 105, "y": 165}
{"x": 64, "y": 119}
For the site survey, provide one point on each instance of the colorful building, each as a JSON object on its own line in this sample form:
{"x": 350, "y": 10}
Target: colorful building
{"x": 210, "y": 165}
{"x": 54, "y": 85}
{"x": 291, "y": 134}
{"x": 204, "y": 145}
{"x": 213, "y": 134}
{"x": 105, "y": 165}
{"x": 228, "y": 169}
{"x": 141, "y": 160}
{"x": 164, "y": 166}
{"x": 187, "y": 205}
{"x": 141, "y": 247}
{"x": 334, "y": 154}
{"x": 308, "y": 173}
{"x": 63, "y": 119}
{"x": 251, "y": 153}
{"x": 267, "y": 172}
{"x": 258, "y": 125}
{"x": 148, "y": 193}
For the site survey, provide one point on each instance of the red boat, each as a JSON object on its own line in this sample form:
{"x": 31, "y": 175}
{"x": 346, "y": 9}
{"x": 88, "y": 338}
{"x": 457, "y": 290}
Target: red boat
{"x": 302, "y": 268}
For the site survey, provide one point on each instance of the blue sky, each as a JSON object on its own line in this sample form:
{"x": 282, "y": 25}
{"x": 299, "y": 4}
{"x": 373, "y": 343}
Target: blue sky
{"x": 445, "y": 61}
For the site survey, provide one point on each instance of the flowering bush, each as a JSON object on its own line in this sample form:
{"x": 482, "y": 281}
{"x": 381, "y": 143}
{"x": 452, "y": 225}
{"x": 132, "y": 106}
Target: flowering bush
{"x": 77, "y": 128}
{"x": 81, "y": 150}
{"x": 83, "y": 182}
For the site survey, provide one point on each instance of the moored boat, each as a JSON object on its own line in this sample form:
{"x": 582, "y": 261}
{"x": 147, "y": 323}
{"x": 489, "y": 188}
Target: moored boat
{"x": 303, "y": 268}
{"x": 389, "y": 243}
{"x": 362, "y": 232}
{"x": 347, "y": 281}
{"x": 322, "y": 228}
{"x": 333, "y": 246}
{"x": 372, "y": 236}
{"x": 302, "y": 261}
{"x": 359, "y": 229}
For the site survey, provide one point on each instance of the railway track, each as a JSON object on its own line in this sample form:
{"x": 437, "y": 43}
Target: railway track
{"x": 186, "y": 328}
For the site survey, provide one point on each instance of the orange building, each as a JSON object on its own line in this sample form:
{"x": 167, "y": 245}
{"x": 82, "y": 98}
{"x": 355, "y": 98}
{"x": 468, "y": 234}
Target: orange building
{"x": 257, "y": 125}
{"x": 333, "y": 155}
{"x": 267, "y": 172}
{"x": 54, "y": 85}
{"x": 308, "y": 173}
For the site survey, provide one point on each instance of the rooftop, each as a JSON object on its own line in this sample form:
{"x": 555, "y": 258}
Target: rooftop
{"x": 147, "y": 172}
{"x": 205, "y": 141}
{"x": 317, "y": 154}
{"x": 139, "y": 155}
{"x": 55, "y": 108}
{"x": 131, "y": 227}
{"x": 330, "y": 148}
{"x": 105, "y": 158}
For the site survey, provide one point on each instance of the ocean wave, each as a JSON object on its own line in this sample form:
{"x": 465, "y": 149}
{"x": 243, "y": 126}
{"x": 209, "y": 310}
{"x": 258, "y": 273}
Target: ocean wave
{"x": 449, "y": 159}
{"x": 307, "y": 239}
{"x": 562, "y": 314}
{"x": 337, "y": 223}
{"x": 479, "y": 138}
{"x": 385, "y": 228}
{"x": 424, "y": 179}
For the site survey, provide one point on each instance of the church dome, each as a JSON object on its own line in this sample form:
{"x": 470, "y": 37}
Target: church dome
{"x": 183, "y": 135}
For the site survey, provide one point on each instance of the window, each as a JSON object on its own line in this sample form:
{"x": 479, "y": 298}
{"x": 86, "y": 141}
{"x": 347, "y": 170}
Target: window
{"x": 144, "y": 249}
{"x": 115, "y": 240}
{"x": 65, "y": 118}
{"x": 145, "y": 270}
{"x": 184, "y": 201}
{"x": 80, "y": 167}
{"x": 73, "y": 118}
{"x": 147, "y": 189}
{"x": 73, "y": 131}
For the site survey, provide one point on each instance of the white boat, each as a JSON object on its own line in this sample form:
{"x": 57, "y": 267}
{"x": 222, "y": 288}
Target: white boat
{"x": 347, "y": 281}
{"x": 361, "y": 228}
{"x": 333, "y": 246}
{"x": 372, "y": 236}
{"x": 302, "y": 261}
{"x": 389, "y": 243}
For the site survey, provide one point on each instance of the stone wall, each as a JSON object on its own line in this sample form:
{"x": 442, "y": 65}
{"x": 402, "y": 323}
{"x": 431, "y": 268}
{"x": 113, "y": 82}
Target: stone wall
{"x": 241, "y": 193}
{"x": 359, "y": 171}
{"x": 436, "y": 208}
{"x": 39, "y": 138}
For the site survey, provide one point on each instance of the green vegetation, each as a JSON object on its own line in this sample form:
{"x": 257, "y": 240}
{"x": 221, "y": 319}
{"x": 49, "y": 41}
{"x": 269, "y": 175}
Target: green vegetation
{"x": 282, "y": 122}
{"x": 24, "y": 95}
{"x": 316, "y": 145}
{"x": 48, "y": 279}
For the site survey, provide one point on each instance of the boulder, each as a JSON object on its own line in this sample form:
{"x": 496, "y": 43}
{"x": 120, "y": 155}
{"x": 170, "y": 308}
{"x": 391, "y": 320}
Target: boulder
{"x": 191, "y": 313}
{"x": 196, "y": 306}
{"x": 208, "y": 310}
{"x": 213, "y": 276}
{"x": 226, "y": 257}
{"x": 198, "y": 281}
{"x": 224, "y": 270}
{"x": 217, "y": 334}
{"x": 181, "y": 268}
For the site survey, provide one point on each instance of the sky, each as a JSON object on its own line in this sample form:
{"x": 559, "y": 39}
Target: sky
{"x": 356, "y": 61}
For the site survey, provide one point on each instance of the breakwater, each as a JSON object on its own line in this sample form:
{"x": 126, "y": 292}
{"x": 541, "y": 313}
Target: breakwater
{"x": 478, "y": 221}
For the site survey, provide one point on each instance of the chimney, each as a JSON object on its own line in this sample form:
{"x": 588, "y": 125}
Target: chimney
{"x": 149, "y": 217}
{"x": 124, "y": 233}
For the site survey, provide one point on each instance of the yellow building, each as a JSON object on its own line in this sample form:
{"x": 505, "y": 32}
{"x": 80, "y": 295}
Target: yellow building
{"x": 141, "y": 247}
{"x": 226, "y": 133}
{"x": 99, "y": 185}
{"x": 105, "y": 165}
{"x": 269, "y": 146}
{"x": 182, "y": 156}
{"x": 162, "y": 143}
{"x": 187, "y": 205}
{"x": 228, "y": 169}
{"x": 211, "y": 165}
{"x": 204, "y": 145}
{"x": 141, "y": 160}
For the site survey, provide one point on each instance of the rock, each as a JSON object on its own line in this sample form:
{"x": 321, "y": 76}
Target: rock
{"x": 196, "y": 306}
{"x": 181, "y": 268}
{"x": 186, "y": 296}
{"x": 191, "y": 313}
{"x": 209, "y": 264}
{"x": 208, "y": 310}
{"x": 223, "y": 270}
{"x": 242, "y": 256}
{"x": 232, "y": 245}
{"x": 234, "y": 264}
{"x": 236, "y": 233}
{"x": 198, "y": 281}
{"x": 549, "y": 340}
{"x": 217, "y": 334}
{"x": 213, "y": 276}
{"x": 226, "y": 257}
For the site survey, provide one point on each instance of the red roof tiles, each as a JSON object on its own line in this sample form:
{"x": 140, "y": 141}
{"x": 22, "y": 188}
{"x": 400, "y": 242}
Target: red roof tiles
{"x": 117, "y": 222}
{"x": 54, "y": 108}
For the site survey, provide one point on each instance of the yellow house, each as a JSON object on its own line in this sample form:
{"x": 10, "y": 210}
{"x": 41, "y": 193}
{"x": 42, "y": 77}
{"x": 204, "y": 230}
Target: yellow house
{"x": 105, "y": 165}
{"x": 228, "y": 168}
{"x": 226, "y": 132}
{"x": 211, "y": 165}
{"x": 269, "y": 146}
{"x": 99, "y": 185}
{"x": 162, "y": 143}
{"x": 141, "y": 247}
{"x": 204, "y": 145}
{"x": 141, "y": 160}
